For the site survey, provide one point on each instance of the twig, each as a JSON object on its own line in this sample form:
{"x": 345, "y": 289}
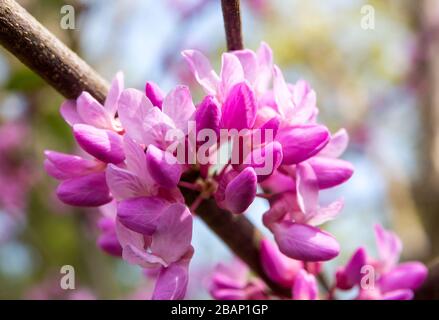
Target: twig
{"x": 42, "y": 52}
{"x": 232, "y": 24}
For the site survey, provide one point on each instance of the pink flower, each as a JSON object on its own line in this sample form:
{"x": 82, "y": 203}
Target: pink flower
{"x": 305, "y": 287}
{"x": 232, "y": 282}
{"x": 148, "y": 124}
{"x": 87, "y": 110}
{"x": 236, "y": 67}
{"x": 383, "y": 278}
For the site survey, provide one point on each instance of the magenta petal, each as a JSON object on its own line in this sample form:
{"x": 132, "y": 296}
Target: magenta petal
{"x": 239, "y": 109}
{"x": 172, "y": 238}
{"x": 389, "y": 247}
{"x": 108, "y": 242}
{"x": 154, "y": 94}
{"x": 268, "y": 130}
{"x": 302, "y": 142}
{"x": 278, "y": 267}
{"x": 304, "y": 242}
{"x": 305, "y": 286}
{"x": 241, "y": 191}
{"x": 331, "y": 172}
{"x": 202, "y": 70}
{"x": 249, "y": 63}
{"x": 65, "y": 166}
{"x": 86, "y": 191}
{"x": 408, "y": 275}
{"x": 208, "y": 115}
{"x": 228, "y": 294}
{"x": 124, "y": 184}
{"x": 92, "y": 112}
{"x": 307, "y": 188}
{"x": 172, "y": 281}
{"x": 69, "y": 112}
{"x": 337, "y": 145}
{"x": 133, "y": 110}
{"x": 105, "y": 145}
{"x": 141, "y": 214}
{"x": 265, "y": 160}
{"x": 231, "y": 72}
{"x": 405, "y": 294}
{"x": 179, "y": 107}
{"x": 163, "y": 167}
{"x": 140, "y": 257}
{"x": 232, "y": 274}
{"x": 113, "y": 94}
{"x": 350, "y": 275}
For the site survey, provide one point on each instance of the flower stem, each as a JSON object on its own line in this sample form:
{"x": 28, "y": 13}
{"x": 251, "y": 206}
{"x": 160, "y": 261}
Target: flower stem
{"x": 232, "y": 24}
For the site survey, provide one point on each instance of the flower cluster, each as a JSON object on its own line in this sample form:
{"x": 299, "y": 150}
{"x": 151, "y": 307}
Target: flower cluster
{"x": 144, "y": 217}
{"x": 251, "y": 94}
{"x": 374, "y": 279}
{"x": 145, "y": 147}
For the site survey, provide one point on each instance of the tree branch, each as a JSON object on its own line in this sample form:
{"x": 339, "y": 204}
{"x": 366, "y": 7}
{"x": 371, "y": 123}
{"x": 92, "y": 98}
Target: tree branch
{"x": 232, "y": 24}
{"x": 44, "y": 54}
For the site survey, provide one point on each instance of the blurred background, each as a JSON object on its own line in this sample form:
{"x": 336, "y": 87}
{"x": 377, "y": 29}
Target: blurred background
{"x": 380, "y": 84}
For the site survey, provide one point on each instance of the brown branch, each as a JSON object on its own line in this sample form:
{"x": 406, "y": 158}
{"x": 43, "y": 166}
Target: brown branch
{"x": 232, "y": 24}
{"x": 44, "y": 54}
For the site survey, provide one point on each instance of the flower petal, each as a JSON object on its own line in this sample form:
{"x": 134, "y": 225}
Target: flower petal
{"x": 239, "y": 109}
{"x": 69, "y": 112}
{"x": 325, "y": 214}
{"x": 241, "y": 191}
{"x": 104, "y": 145}
{"x": 132, "y": 111}
{"x": 92, "y": 112}
{"x": 108, "y": 242}
{"x": 86, "y": 191}
{"x": 349, "y": 276}
{"x": 305, "y": 286}
{"x": 265, "y": 160}
{"x": 65, "y": 166}
{"x": 304, "y": 242}
{"x": 154, "y": 94}
{"x": 249, "y": 63}
{"x": 208, "y": 115}
{"x": 163, "y": 167}
{"x": 172, "y": 238}
{"x": 399, "y": 295}
{"x": 124, "y": 184}
{"x": 408, "y": 275}
{"x": 278, "y": 267}
{"x": 231, "y": 73}
{"x": 331, "y": 172}
{"x": 307, "y": 188}
{"x": 300, "y": 143}
{"x": 202, "y": 70}
{"x": 389, "y": 247}
{"x": 133, "y": 248}
{"x": 337, "y": 145}
{"x": 172, "y": 281}
{"x": 116, "y": 89}
{"x": 264, "y": 57}
{"x": 282, "y": 94}
{"x": 141, "y": 214}
{"x": 178, "y": 106}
